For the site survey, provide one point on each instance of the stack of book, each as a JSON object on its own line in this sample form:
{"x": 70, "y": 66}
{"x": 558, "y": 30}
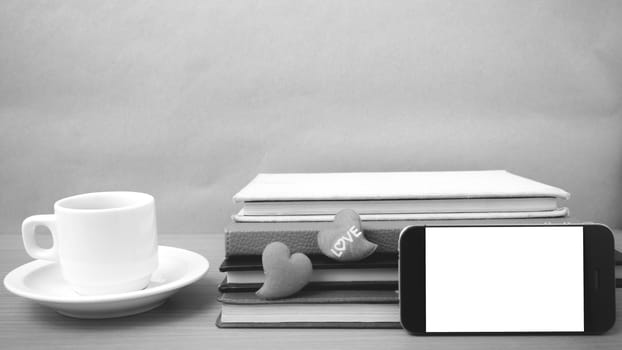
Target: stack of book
{"x": 293, "y": 208}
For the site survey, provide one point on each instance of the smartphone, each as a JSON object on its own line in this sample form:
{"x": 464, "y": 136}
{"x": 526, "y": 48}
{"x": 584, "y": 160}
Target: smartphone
{"x": 507, "y": 279}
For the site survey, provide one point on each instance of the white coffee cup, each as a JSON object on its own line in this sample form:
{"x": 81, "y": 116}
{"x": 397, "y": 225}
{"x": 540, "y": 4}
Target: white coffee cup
{"x": 105, "y": 242}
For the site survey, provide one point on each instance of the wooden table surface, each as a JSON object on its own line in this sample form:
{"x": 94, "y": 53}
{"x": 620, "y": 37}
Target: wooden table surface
{"x": 186, "y": 320}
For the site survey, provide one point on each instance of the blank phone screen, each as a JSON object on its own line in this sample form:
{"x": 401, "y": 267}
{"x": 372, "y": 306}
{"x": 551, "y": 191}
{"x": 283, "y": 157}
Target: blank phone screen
{"x": 504, "y": 279}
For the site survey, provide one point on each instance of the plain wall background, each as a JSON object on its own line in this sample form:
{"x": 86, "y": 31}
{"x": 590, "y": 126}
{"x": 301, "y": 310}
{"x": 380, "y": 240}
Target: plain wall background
{"x": 188, "y": 100}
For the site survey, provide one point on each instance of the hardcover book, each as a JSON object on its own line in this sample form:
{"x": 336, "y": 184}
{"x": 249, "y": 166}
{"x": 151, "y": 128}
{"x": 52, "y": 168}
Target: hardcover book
{"x": 251, "y": 238}
{"x": 376, "y": 268}
{"x": 312, "y": 308}
{"x": 434, "y": 195}
{"x": 394, "y": 185}
{"x": 561, "y": 212}
{"x": 226, "y": 287}
{"x": 400, "y": 206}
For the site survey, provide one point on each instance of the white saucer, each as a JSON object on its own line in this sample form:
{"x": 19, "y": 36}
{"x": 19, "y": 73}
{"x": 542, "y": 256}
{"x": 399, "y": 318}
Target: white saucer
{"x": 41, "y": 281}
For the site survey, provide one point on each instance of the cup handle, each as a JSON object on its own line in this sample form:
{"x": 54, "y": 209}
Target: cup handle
{"x": 28, "y": 235}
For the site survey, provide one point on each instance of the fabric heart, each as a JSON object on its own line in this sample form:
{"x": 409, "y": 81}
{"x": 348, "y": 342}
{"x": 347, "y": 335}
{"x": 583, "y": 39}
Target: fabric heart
{"x": 344, "y": 240}
{"x": 285, "y": 274}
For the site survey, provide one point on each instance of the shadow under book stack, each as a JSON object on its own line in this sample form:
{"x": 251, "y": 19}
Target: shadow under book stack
{"x": 293, "y": 208}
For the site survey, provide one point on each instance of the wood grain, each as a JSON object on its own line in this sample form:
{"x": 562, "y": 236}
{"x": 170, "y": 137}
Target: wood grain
{"x": 187, "y": 321}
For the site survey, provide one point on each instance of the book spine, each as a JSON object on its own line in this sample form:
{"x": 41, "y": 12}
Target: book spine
{"x": 238, "y": 243}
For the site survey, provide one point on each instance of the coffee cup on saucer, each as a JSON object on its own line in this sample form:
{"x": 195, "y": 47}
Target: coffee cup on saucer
{"x": 104, "y": 242}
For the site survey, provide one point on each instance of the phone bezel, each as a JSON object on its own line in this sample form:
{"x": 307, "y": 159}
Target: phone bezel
{"x": 599, "y": 295}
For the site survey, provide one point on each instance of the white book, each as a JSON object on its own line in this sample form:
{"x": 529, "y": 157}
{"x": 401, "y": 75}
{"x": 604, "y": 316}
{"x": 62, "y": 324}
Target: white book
{"x": 401, "y": 206}
{"x": 561, "y": 212}
{"x": 394, "y": 185}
